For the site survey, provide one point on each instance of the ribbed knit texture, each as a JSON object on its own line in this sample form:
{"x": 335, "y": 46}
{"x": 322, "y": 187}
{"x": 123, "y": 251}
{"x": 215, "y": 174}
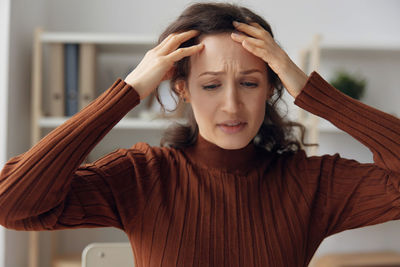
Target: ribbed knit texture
{"x": 204, "y": 205}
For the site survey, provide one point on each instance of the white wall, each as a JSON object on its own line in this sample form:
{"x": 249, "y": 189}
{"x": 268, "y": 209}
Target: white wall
{"x": 4, "y": 45}
{"x": 293, "y": 22}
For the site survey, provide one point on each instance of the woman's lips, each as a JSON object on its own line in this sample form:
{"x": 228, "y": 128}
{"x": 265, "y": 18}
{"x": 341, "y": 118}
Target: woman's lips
{"x": 232, "y": 127}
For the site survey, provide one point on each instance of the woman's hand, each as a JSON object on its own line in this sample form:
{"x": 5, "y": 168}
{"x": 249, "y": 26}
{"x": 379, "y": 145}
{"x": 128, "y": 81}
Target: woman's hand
{"x": 259, "y": 42}
{"x": 157, "y": 64}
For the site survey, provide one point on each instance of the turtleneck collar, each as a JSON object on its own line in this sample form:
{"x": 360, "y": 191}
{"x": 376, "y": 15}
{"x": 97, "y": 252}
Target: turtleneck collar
{"x": 209, "y": 155}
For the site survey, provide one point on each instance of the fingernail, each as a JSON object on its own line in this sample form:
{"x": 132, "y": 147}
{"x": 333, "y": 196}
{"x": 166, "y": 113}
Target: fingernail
{"x": 236, "y": 23}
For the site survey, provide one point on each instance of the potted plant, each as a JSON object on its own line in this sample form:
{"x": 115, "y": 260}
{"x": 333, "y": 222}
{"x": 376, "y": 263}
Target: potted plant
{"x": 350, "y": 84}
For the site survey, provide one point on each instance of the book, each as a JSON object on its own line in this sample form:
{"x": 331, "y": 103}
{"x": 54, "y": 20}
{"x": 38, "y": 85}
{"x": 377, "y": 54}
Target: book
{"x": 71, "y": 78}
{"x": 87, "y": 74}
{"x": 56, "y": 80}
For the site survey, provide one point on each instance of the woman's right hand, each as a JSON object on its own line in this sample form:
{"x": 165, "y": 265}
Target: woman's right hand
{"x": 157, "y": 64}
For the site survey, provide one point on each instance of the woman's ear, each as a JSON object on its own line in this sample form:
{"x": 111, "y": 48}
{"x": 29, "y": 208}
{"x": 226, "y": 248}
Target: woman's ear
{"x": 183, "y": 91}
{"x": 270, "y": 92}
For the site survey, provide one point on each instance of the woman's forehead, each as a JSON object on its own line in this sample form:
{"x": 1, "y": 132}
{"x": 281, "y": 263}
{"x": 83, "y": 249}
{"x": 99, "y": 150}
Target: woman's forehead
{"x": 221, "y": 51}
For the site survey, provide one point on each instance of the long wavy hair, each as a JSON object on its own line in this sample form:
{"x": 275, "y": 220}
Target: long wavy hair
{"x": 276, "y": 133}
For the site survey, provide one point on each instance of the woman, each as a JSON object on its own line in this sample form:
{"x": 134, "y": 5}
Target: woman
{"x": 231, "y": 190}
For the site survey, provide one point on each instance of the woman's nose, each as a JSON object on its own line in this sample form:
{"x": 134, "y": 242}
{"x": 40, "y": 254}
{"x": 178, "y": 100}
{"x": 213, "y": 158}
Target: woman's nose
{"x": 231, "y": 101}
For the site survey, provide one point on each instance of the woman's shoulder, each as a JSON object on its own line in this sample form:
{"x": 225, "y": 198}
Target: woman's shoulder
{"x": 154, "y": 151}
{"x": 289, "y": 159}
{"x": 140, "y": 157}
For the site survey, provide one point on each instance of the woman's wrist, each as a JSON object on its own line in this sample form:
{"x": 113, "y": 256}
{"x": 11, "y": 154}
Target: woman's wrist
{"x": 294, "y": 79}
{"x": 135, "y": 84}
{"x": 300, "y": 81}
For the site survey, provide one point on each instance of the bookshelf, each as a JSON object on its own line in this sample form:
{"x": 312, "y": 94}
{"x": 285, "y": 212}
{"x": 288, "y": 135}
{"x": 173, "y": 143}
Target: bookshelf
{"x": 49, "y": 101}
{"x": 374, "y": 59}
{"x": 128, "y": 123}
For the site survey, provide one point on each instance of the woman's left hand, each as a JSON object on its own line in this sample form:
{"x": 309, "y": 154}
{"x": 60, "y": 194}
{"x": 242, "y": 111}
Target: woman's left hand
{"x": 259, "y": 42}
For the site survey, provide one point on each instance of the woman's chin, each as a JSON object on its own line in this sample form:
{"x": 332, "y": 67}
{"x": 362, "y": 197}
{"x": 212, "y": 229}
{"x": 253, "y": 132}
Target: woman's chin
{"x": 233, "y": 143}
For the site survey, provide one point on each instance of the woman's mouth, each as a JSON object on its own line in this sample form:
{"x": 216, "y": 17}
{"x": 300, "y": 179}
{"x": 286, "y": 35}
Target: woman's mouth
{"x": 232, "y": 127}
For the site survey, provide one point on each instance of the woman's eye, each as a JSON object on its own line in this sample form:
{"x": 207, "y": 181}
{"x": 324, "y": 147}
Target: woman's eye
{"x": 213, "y": 86}
{"x": 249, "y": 84}
{"x": 209, "y": 87}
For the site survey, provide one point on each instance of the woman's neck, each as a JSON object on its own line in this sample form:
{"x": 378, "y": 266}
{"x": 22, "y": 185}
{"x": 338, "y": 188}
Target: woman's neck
{"x": 210, "y": 155}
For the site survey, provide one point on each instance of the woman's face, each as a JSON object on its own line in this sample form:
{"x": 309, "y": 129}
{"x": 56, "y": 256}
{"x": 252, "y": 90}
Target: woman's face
{"x": 227, "y": 88}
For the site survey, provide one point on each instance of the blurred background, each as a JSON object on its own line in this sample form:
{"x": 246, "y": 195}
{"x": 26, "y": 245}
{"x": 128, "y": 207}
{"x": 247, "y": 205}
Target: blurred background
{"x": 362, "y": 36}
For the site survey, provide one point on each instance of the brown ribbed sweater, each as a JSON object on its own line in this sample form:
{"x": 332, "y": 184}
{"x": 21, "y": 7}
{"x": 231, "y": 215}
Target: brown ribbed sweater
{"x": 206, "y": 206}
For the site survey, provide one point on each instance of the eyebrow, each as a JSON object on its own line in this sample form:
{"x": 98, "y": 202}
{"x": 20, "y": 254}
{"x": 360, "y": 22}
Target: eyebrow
{"x": 221, "y": 72}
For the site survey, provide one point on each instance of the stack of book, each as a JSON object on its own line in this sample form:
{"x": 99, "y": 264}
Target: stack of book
{"x": 71, "y": 77}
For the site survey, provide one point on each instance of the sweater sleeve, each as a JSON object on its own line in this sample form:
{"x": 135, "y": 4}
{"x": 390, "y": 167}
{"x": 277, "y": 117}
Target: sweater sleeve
{"x": 343, "y": 193}
{"x": 47, "y": 188}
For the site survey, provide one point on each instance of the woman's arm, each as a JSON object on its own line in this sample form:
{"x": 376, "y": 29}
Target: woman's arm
{"x": 34, "y": 185}
{"x": 377, "y": 130}
{"x": 44, "y": 188}
{"x": 39, "y": 187}
{"x": 343, "y": 193}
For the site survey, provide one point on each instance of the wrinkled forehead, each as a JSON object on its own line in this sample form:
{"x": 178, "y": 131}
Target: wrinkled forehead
{"x": 221, "y": 51}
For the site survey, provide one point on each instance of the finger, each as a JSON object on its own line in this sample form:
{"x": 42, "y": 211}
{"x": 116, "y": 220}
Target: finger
{"x": 249, "y": 29}
{"x": 255, "y": 24}
{"x": 163, "y": 46}
{"x": 251, "y": 45}
{"x": 176, "y": 40}
{"x": 163, "y": 42}
{"x": 171, "y": 35}
{"x": 241, "y": 37}
{"x": 184, "y": 52}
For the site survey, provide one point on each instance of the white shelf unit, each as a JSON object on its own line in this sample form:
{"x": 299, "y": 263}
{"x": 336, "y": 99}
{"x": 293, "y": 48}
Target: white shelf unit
{"x": 120, "y": 44}
{"x": 126, "y": 123}
{"x": 369, "y": 58}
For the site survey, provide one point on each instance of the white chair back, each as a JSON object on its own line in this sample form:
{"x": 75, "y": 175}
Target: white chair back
{"x": 108, "y": 255}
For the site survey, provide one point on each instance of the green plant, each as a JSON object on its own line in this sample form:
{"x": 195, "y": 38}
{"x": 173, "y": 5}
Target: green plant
{"x": 350, "y": 84}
